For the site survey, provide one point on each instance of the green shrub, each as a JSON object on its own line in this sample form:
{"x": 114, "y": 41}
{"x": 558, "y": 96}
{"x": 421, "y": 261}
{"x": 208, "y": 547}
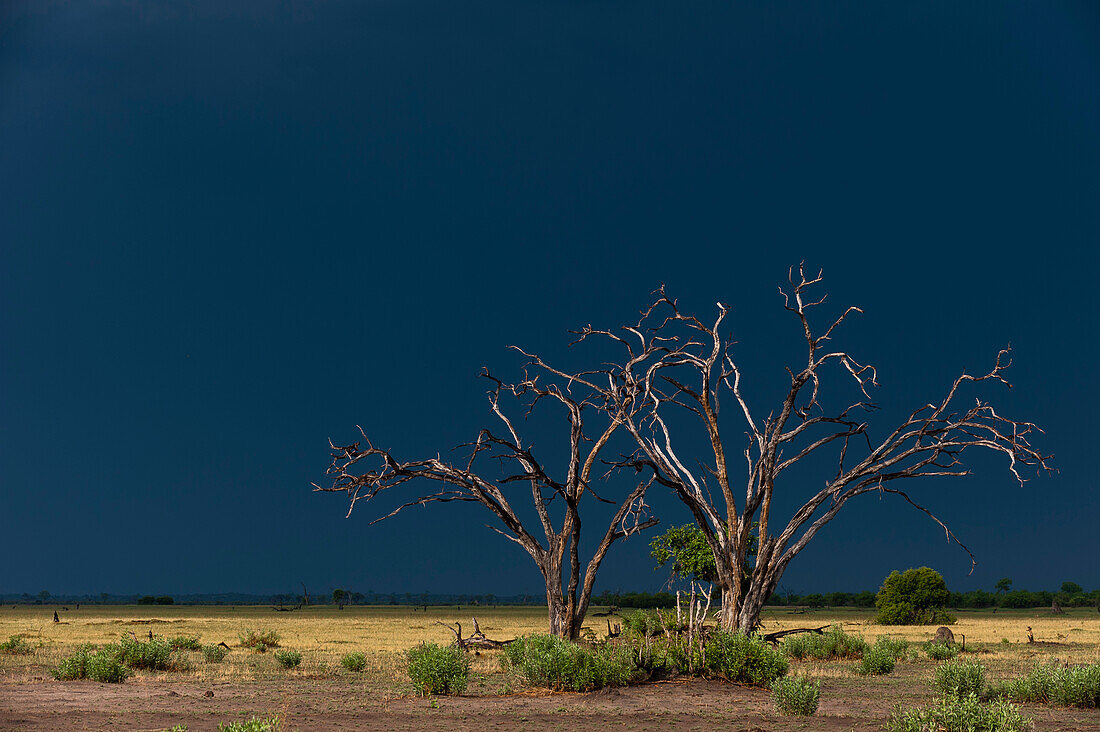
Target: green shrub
{"x": 649, "y": 622}
{"x": 154, "y": 655}
{"x": 960, "y": 678}
{"x": 104, "y": 666}
{"x": 255, "y": 724}
{"x": 1067, "y": 686}
{"x": 913, "y": 597}
{"x": 74, "y": 666}
{"x": 952, "y": 714}
{"x": 214, "y": 654}
{"x": 896, "y": 647}
{"x": 185, "y": 642}
{"x": 354, "y": 661}
{"x": 288, "y": 659}
{"x": 16, "y": 646}
{"x": 438, "y": 669}
{"x": 833, "y": 644}
{"x": 796, "y": 695}
{"x": 554, "y": 663}
{"x": 744, "y": 659}
{"x": 259, "y": 640}
{"x": 877, "y": 661}
{"x": 941, "y": 651}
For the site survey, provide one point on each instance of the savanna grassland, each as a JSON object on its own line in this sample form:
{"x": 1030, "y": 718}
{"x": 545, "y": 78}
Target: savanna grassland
{"x": 321, "y": 694}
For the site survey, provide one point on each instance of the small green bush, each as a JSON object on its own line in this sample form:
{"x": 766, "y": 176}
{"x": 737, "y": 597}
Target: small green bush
{"x": 185, "y": 642}
{"x": 952, "y": 714}
{"x": 255, "y": 724}
{"x": 288, "y": 659}
{"x": 554, "y": 663}
{"x": 877, "y": 661}
{"x": 438, "y": 669}
{"x": 744, "y": 659}
{"x": 354, "y": 661}
{"x": 941, "y": 651}
{"x": 649, "y": 622}
{"x": 154, "y": 655}
{"x": 796, "y": 695}
{"x": 16, "y": 646}
{"x": 259, "y": 640}
{"x": 959, "y": 678}
{"x": 833, "y": 644}
{"x": 896, "y": 647}
{"x": 104, "y": 666}
{"x": 74, "y": 666}
{"x": 1072, "y": 686}
{"x": 214, "y": 654}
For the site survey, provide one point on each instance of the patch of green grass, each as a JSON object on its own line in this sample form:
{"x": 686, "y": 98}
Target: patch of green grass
{"x": 213, "y": 653}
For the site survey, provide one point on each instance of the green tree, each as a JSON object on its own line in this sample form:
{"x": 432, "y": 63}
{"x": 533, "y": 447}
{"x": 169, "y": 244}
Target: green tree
{"x": 686, "y": 549}
{"x": 913, "y": 597}
{"x": 1004, "y": 584}
{"x": 1072, "y": 588}
{"x": 339, "y": 598}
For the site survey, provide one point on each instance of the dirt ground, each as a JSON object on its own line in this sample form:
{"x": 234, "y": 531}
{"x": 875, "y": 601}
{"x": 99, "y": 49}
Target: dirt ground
{"x": 332, "y": 705}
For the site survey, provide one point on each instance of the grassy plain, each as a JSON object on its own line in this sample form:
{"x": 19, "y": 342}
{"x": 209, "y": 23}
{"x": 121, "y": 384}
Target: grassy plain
{"x": 247, "y": 681}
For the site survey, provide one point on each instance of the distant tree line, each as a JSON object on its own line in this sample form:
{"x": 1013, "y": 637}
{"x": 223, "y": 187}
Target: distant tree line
{"x": 1071, "y": 594}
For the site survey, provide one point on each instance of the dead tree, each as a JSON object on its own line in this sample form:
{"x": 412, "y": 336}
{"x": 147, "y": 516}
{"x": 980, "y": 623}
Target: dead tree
{"x": 365, "y": 471}
{"x": 676, "y": 362}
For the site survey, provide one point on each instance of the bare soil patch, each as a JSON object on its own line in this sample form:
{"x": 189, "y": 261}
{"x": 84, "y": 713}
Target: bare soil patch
{"x": 337, "y": 705}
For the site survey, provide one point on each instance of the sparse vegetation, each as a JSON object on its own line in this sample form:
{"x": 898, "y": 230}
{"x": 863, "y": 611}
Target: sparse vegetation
{"x": 354, "y": 661}
{"x": 436, "y": 669}
{"x": 796, "y": 695}
{"x": 259, "y": 640}
{"x": 952, "y": 714}
{"x": 1053, "y": 683}
{"x": 16, "y": 646}
{"x": 214, "y": 653}
{"x": 255, "y": 724}
{"x": 554, "y": 663}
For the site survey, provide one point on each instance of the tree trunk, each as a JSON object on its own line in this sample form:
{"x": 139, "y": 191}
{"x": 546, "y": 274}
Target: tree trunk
{"x": 727, "y": 616}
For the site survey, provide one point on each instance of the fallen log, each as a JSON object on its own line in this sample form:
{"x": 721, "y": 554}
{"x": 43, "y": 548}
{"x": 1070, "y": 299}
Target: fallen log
{"x": 475, "y": 640}
{"x": 776, "y": 636}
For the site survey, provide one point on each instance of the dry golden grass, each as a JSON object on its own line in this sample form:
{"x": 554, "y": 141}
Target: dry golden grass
{"x": 324, "y": 634}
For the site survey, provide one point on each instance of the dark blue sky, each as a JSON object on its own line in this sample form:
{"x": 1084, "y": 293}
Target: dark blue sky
{"x": 229, "y": 231}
